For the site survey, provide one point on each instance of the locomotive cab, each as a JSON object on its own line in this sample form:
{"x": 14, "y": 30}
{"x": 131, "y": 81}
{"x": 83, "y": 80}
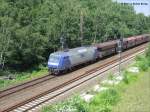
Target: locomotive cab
{"x": 58, "y": 63}
{"x": 53, "y": 63}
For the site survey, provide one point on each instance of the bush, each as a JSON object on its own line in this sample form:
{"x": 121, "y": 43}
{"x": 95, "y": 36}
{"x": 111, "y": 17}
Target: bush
{"x": 148, "y": 52}
{"x": 148, "y": 55}
{"x": 75, "y": 104}
{"x": 4, "y": 73}
{"x": 142, "y": 62}
{"x": 103, "y": 102}
{"x": 125, "y": 79}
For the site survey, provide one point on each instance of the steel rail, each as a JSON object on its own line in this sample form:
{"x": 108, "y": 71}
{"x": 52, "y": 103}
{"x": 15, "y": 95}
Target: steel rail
{"x": 25, "y": 85}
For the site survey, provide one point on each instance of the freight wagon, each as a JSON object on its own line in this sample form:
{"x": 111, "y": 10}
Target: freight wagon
{"x": 106, "y": 48}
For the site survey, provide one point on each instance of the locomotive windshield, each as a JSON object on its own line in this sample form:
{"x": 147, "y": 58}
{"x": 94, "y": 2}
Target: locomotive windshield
{"x": 54, "y": 58}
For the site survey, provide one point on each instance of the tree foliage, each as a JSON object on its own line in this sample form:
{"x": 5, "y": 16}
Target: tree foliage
{"x": 30, "y": 29}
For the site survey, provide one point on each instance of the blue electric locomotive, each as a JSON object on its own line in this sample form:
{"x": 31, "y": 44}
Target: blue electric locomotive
{"x": 65, "y": 60}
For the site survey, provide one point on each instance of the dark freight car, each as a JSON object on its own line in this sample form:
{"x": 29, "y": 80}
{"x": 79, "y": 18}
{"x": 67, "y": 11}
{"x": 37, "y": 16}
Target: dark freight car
{"x": 106, "y": 48}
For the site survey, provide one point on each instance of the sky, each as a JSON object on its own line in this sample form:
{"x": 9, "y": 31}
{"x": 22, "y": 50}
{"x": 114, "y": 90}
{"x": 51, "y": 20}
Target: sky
{"x": 140, "y": 6}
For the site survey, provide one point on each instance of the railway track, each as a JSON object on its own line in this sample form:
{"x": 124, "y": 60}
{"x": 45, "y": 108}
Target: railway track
{"x": 43, "y": 98}
{"x": 25, "y": 85}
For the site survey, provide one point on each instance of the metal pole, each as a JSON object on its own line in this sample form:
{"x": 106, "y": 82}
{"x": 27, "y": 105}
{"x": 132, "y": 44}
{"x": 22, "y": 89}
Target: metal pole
{"x": 119, "y": 51}
{"x": 120, "y": 63}
{"x": 62, "y": 42}
{"x": 81, "y": 27}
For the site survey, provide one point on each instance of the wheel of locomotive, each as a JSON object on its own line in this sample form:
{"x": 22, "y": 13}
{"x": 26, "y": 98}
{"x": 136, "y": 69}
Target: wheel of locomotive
{"x": 56, "y": 72}
{"x": 50, "y": 71}
{"x": 65, "y": 71}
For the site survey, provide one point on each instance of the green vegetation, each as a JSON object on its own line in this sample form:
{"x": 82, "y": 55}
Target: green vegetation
{"x": 148, "y": 55}
{"x": 23, "y": 77}
{"x": 30, "y": 29}
{"x": 103, "y": 102}
{"x": 75, "y": 104}
{"x": 143, "y": 61}
{"x": 136, "y": 98}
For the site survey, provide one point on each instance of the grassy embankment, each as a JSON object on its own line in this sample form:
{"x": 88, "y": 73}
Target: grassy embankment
{"x": 136, "y": 98}
{"x": 131, "y": 95}
{"x": 23, "y": 77}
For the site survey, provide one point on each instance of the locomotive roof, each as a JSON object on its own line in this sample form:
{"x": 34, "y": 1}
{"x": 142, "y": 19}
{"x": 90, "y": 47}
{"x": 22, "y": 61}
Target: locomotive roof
{"x": 106, "y": 44}
{"x": 72, "y": 51}
{"x": 132, "y": 38}
{"x": 146, "y": 35}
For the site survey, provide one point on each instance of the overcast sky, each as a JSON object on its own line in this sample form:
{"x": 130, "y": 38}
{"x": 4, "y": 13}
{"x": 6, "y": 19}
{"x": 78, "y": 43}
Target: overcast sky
{"x": 140, "y": 6}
